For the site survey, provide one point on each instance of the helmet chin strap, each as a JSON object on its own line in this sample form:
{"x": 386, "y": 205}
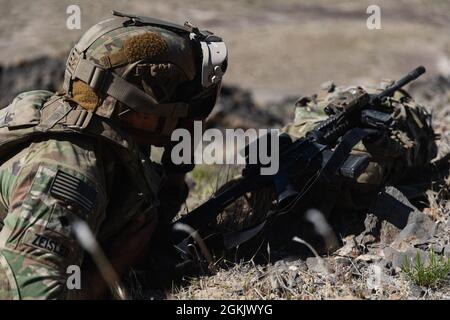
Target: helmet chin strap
{"x": 111, "y": 84}
{"x": 165, "y": 124}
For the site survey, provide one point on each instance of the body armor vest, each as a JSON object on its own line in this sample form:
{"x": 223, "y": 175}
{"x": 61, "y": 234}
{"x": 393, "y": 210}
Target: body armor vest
{"x": 39, "y": 113}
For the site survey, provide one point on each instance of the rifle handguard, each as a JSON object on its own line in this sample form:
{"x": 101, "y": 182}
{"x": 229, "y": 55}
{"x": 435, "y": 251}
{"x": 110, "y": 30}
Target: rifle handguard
{"x": 329, "y": 131}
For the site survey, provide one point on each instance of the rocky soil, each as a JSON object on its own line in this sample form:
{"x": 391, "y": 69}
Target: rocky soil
{"x": 369, "y": 263}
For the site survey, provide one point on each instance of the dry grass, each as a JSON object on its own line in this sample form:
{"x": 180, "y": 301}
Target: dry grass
{"x": 347, "y": 279}
{"x": 361, "y": 277}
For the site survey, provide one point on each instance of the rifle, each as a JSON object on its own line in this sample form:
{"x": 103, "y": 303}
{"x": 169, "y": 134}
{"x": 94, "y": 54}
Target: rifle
{"x": 322, "y": 154}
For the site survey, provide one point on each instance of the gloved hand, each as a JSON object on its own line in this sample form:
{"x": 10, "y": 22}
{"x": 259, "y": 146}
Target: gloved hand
{"x": 173, "y": 193}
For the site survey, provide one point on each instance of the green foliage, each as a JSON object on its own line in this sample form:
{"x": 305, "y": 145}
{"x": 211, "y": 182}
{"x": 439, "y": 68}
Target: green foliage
{"x": 209, "y": 178}
{"x": 431, "y": 274}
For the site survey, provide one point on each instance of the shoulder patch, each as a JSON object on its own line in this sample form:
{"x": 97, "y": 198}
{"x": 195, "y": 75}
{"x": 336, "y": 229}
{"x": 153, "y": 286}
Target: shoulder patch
{"x": 70, "y": 189}
{"x": 49, "y": 244}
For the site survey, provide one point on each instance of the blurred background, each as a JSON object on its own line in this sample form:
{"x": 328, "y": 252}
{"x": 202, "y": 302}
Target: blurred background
{"x": 277, "y": 48}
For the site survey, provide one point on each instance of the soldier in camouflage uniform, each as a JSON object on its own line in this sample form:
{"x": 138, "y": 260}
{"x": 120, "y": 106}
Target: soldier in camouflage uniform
{"x": 85, "y": 152}
{"x": 407, "y": 146}
{"x": 401, "y": 151}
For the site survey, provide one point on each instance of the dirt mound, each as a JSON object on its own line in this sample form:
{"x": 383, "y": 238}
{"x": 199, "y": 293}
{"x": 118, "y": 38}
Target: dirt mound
{"x": 434, "y": 92}
{"x": 43, "y": 73}
{"x": 236, "y": 108}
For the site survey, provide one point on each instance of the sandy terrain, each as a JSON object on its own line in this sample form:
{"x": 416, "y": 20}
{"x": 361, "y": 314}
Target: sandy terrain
{"x": 275, "y": 47}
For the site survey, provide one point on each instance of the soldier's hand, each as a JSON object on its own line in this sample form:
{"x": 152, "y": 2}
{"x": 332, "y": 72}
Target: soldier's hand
{"x": 132, "y": 245}
{"x": 172, "y": 195}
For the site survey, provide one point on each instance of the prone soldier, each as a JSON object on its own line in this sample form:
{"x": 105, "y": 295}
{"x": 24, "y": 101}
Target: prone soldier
{"x": 85, "y": 152}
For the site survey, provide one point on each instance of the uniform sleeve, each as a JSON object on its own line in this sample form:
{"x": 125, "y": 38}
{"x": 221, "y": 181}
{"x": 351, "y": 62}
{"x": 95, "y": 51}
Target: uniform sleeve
{"x": 37, "y": 245}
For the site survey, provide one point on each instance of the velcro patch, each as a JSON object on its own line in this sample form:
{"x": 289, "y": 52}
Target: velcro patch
{"x": 73, "y": 190}
{"x": 46, "y": 243}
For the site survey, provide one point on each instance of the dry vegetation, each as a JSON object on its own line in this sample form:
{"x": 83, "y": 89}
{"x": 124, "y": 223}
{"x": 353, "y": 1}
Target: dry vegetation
{"x": 363, "y": 276}
{"x": 347, "y": 273}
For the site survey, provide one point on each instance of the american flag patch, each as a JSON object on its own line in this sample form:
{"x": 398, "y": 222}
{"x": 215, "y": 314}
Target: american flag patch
{"x": 73, "y": 190}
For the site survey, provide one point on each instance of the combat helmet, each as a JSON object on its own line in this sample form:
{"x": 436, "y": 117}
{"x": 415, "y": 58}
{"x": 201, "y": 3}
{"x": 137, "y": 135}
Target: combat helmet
{"x": 151, "y": 66}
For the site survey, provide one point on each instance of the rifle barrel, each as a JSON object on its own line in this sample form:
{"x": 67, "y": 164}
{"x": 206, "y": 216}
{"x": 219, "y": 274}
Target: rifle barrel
{"x": 413, "y": 75}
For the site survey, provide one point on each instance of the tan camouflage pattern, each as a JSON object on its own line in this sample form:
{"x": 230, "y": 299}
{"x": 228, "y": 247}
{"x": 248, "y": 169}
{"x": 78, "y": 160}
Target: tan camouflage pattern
{"x": 36, "y": 245}
{"x": 108, "y": 51}
{"x": 112, "y": 43}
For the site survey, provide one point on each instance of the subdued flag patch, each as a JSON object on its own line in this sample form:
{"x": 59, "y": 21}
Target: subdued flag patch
{"x": 72, "y": 190}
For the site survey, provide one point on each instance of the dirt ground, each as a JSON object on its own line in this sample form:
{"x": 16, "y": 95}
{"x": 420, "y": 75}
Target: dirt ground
{"x": 276, "y": 48}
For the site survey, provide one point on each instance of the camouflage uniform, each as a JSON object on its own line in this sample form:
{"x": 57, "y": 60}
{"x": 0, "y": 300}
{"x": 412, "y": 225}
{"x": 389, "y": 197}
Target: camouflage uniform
{"x": 51, "y": 176}
{"x": 66, "y": 155}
